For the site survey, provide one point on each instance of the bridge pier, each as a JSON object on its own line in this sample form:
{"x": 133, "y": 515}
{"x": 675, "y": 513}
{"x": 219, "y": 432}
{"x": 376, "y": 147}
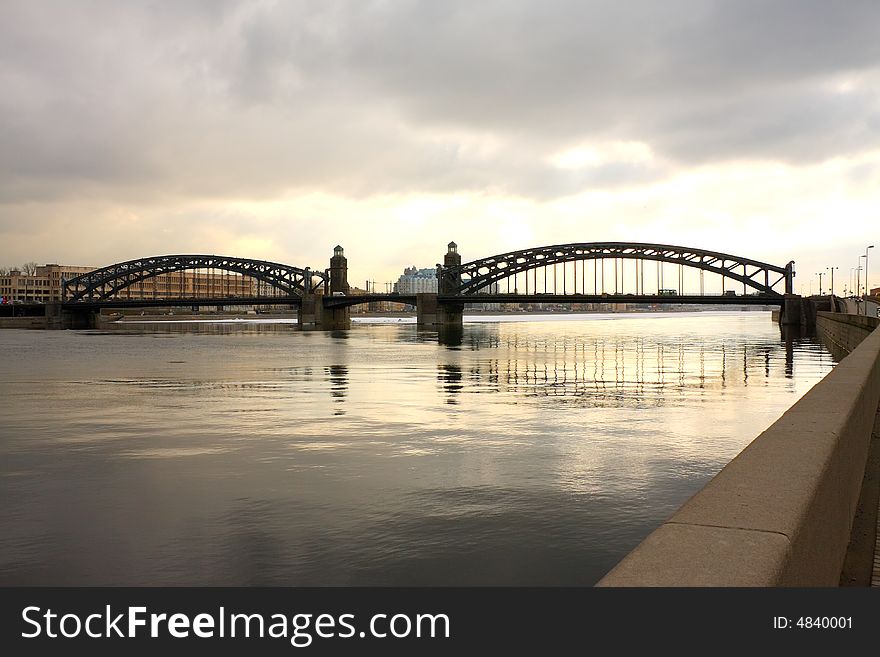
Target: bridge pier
{"x": 790, "y": 314}
{"x": 799, "y": 312}
{"x": 312, "y": 314}
{"x": 431, "y": 312}
{"x": 310, "y": 311}
{"x": 426, "y": 309}
{"x": 335, "y": 319}
{"x": 58, "y": 317}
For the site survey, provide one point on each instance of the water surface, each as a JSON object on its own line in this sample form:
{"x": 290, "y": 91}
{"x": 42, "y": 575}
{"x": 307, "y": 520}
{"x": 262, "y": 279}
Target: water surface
{"x": 536, "y": 452}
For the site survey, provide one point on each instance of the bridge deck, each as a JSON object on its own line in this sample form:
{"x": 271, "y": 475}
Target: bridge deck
{"x": 293, "y": 300}
{"x": 356, "y": 299}
{"x": 410, "y": 299}
{"x": 353, "y": 300}
{"x": 616, "y": 298}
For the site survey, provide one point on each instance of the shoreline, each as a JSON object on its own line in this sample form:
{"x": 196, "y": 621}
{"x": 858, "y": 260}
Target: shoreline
{"x": 267, "y": 317}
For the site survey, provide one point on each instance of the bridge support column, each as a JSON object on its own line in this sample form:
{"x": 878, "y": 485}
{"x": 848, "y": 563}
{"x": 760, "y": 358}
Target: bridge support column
{"x": 451, "y": 315}
{"x": 791, "y": 311}
{"x": 313, "y": 315}
{"x": 426, "y": 309}
{"x": 310, "y": 312}
{"x": 54, "y": 316}
{"x": 798, "y": 311}
{"x": 336, "y": 319}
{"x": 431, "y": 312}
{"x": 58, "y": 317}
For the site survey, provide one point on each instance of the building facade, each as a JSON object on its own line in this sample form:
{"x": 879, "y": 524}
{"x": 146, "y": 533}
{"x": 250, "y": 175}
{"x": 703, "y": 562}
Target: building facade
{"x": 196, "y": 284}
{"x": 41, "y": 286}
{"x": 417, "y": 281}
{"x": 44, "y": 285}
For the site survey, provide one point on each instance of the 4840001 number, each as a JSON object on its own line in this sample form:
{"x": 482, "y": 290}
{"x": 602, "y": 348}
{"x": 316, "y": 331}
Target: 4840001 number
{"x": 813, "y": 623}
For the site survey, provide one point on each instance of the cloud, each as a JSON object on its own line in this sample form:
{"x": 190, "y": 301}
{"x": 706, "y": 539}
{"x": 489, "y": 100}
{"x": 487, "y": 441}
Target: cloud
{"x": 217, "y": 125}
{"x": 251, "y": 99}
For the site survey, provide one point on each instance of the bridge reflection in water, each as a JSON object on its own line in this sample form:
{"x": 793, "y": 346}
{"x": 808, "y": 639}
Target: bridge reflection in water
{"x": 592, "y": 369}
{"x": 612, "y": 371}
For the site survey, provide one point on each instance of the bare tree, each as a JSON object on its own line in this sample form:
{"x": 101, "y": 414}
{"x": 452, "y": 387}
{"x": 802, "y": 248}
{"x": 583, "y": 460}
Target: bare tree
{"x": 28, "y": 269}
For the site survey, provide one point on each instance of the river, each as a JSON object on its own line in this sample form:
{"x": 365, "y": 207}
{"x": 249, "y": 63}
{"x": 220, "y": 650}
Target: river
{"x": 535, "y": 452}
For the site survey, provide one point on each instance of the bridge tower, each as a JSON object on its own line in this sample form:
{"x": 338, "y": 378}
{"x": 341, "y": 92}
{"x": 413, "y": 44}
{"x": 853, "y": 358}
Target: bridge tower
{"x": 430, "y": 310}
{"x": 339, "y": 271}
{"x": 450, "y": 279}
{"x": 337, "y": 318}
{"x": 312, "y": 313}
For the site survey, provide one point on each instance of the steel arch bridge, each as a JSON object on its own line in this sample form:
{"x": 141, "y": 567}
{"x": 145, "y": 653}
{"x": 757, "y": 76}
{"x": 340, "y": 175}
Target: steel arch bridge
{"x": 468, "y": 278}
{"x": 103, "y": 283}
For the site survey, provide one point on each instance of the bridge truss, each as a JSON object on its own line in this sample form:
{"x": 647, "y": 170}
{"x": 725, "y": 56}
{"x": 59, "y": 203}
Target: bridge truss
{"x": 106, "y": 282}
{"x": 479, "y": 275}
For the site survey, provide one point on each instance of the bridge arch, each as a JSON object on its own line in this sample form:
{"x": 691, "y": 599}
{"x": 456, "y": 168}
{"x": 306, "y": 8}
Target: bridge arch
{"x": 105, "y": 282}
{"x": 470, "y": 277}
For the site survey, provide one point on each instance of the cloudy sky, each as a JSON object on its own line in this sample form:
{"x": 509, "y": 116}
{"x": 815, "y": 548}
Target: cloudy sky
{"x": 278, "y": 129}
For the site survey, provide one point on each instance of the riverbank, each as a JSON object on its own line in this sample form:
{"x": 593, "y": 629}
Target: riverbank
{"x": 109, "y": 318}
{"x": 146, "y": 317}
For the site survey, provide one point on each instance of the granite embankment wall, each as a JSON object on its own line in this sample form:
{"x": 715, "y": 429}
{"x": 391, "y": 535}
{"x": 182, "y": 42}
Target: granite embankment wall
{"x": 842, "y": 333}
{"x": 23, "y": 322}
{"x": 780, "y": 513}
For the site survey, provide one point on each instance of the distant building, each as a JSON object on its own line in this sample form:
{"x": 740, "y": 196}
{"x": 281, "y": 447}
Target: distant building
{"x": 40, "y": 286}
{"x": 45, "y": 283}
{"x": 875, "y": 291}
{"x": 417, "y": 281}
{"x": 197, "y": 283}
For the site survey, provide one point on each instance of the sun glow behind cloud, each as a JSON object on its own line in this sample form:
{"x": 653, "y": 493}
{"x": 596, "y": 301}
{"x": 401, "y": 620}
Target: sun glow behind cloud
{"x": 589, "y": 155}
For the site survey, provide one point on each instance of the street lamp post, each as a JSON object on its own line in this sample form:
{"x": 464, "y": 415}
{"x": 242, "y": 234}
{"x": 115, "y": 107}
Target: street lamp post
{"x": 832, "y": 279}
{"x": 819, "y": 274}
{"x": 858, "y": 285}
{"x": 867, "y": 290}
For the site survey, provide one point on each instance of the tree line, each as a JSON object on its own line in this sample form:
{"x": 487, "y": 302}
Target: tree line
{"x": 28, "y": 268}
